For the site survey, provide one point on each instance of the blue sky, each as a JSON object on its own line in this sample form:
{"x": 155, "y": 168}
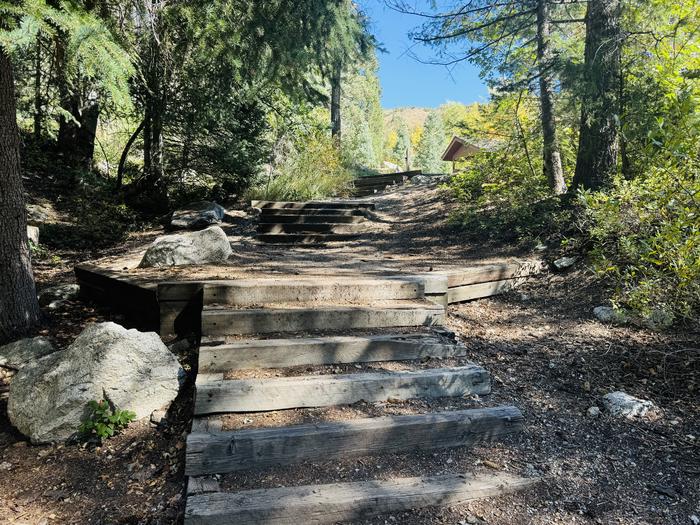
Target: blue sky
{"x": 407, "y": 82}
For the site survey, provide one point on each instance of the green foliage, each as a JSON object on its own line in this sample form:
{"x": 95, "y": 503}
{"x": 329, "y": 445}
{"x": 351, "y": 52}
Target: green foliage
{"x": 402, "y": 148}
{"x": 363, "y": 121}
{"x": 102, "y": 422}
{"x": 431, "y": 145}
{"x": 646, "y": 238}
{"x": 313, "y": 170}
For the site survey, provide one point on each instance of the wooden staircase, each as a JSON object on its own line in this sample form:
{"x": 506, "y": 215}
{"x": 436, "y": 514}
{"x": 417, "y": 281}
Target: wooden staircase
{"x": 312, "y": 222}
{"x": 381, "y": 320}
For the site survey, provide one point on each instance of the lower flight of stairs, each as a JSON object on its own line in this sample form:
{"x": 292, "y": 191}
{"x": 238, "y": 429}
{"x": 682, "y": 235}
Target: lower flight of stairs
{"x": 291, "y": 326}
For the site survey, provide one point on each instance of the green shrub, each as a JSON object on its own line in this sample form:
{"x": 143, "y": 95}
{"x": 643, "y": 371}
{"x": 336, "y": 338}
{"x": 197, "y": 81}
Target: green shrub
{"x": 102, "y": 422}
{"x": 501, "y": 196}
{"x": 314, "y": 170}
{"x": 646, "y": 238}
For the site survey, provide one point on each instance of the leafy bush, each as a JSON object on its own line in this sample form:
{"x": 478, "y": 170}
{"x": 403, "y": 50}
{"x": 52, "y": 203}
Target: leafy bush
{"x": 501, "y": 196}
{"x": 646, "y": 238}
{"x": 104, "y": 423}
{"x": 313, "y": 170}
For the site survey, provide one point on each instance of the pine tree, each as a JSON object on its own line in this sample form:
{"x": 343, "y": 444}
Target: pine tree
{"x": 431, "y": 145}
{"x": 402, "y": 150}
{"x": 19, "y": 308}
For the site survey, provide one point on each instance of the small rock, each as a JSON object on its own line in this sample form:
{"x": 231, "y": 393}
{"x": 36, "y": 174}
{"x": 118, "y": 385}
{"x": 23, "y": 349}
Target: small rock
{"x": 594, "y": 411}
{"x": 694, "y": 520}
{"x": 540, "y": 247}
{"x": 33, "y": 234}
{"x": 158, "y": 417}
{"x": 607, "y": 314}
{"x": 55, "y": 296}
{"x": 197, "y": 215}
{"x": 621, "y": 404}
{"x": 667, "y": 491}
{"x": 565, "y": 262}
{"x": 5, "y": 466}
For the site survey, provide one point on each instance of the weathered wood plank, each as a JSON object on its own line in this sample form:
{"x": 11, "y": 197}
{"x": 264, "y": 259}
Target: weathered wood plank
{"x": 343, "y": 205}
{"x": 346, "y": 502}
{"x": 251, "y": 395}
{"x": 218, "y": 453}
{"x": 222, "y": 321}
{"x": 314, "y": 289}
{"x": 279, "y": 353}
{"x": 478, "y": 291}
{"x": 490, "y": 272}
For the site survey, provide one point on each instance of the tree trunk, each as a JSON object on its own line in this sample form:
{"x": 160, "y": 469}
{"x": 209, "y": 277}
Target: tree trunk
{"x": 19, "y": 308}
{"x": 335, "y": 101}
{"x": 596, "y": 163}
{"x": 38, "y": 98}
{"x": 125, "y": 154}
{"x": 551, "y": 152}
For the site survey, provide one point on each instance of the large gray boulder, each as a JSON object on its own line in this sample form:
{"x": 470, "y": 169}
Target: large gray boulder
{"x": 132, "y": 370}
{"x": 200, "y": 247}
{"x": 25, "y": 351}
{"x": 197, "y": 215}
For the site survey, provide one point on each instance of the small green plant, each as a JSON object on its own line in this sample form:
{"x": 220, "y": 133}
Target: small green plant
{"x": 103, "y": 422}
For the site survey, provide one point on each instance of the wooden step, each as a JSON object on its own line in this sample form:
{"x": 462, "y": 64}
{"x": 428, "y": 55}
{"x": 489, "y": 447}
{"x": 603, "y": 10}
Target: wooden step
{"x": 306, "y": 238}
{"x": 312, "y": 219}
{"x": 338, "y": 205}
{"x": 310, "y": 212}
{"x": 312, "y": 228}
{"x": 346, "y": 502}
{"x": 221, "y": 452}
{"x": 280, "y": 353}
{"x": 313, "y": 289}
{"x": 218, "y": 320}
{"x": 252, "y": 395}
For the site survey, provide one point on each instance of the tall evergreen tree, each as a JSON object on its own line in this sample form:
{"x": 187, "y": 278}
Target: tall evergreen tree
{"x": 431, "y": 145}
{"x": 402, "y": 150}
{"x": 19, "y": 308}
{"x": 596, "y": 163}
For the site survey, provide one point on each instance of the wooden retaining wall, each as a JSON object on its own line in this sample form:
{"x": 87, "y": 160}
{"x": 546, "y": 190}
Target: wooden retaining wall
{"x": 175, "y": 307}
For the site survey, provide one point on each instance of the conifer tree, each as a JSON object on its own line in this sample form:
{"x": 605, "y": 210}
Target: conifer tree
{"x": 431, "y": 145}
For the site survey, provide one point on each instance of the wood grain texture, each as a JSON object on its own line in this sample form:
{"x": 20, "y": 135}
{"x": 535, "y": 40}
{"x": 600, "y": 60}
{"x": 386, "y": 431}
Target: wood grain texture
{"x": 320, "y": 288}
{"x": 346, "y": 502}
{"x": 220, "y": 452}
{"x": 251, "y": 395}
{"x": 279, "y": 353}
{"x": 478, "y": 291}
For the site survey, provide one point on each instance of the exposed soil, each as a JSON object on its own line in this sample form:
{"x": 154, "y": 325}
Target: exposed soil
{"x": 547, "y": 354}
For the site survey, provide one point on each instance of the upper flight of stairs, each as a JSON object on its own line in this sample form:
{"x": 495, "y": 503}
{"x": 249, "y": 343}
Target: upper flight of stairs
{"x": 325, "y": 321}
{"x": 312, "y": 222}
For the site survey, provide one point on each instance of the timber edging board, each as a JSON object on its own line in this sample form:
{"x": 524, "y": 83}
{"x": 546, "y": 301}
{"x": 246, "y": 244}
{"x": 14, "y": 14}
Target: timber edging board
{"x": 346, "y": 502}
{"x": 132, "y": 297}
{"x": 175, "y": 307}
{"x": 222, "y": 452}
{"x": 281, "y": 353}
{"x": 247, "y": 321}
{"x": 257, "y": 395}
